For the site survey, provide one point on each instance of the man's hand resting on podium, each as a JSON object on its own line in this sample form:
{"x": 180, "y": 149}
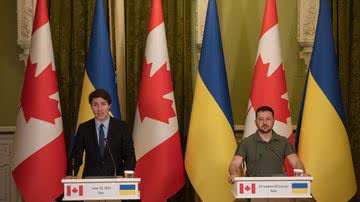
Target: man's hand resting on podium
{"x": 234, "y": 168}
{"x": 231, "y": 179}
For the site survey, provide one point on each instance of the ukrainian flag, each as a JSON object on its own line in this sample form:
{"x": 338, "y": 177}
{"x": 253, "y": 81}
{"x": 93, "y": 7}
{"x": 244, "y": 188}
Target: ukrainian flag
{"x": 99, "y": 69}
{"x": 299, "y": 188}
{"x": 127, "y": 189}
{"x": 211, "y": 143}
{"x": 323, "y": 142}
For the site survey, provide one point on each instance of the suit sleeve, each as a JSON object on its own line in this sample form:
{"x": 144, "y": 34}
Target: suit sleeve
{"x": 77, "y": 152}
{"x": 128, "y": 153}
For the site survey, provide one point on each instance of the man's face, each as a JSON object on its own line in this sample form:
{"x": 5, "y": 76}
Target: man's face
{"x": 264, "y": 121}
{"x": 100, "y": 108}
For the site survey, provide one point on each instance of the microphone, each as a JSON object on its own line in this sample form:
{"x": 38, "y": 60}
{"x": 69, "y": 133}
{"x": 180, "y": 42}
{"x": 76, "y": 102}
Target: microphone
{"x": 73, "y": 166}
{"x": 111, "y": 156}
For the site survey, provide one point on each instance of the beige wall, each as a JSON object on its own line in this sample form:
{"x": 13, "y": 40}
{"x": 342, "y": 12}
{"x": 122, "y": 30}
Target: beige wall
{"x": 240, "y": 22}
{"x": 11, "y": 69}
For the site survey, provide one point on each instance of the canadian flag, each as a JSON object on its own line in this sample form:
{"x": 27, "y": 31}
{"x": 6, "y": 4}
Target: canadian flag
{"x": 245, "y": 188}
{"x": 269, "y": 84}
{"x": 74, "y": 190}
{"x": 39, "y": 160}
{"x": 156, "y": 133}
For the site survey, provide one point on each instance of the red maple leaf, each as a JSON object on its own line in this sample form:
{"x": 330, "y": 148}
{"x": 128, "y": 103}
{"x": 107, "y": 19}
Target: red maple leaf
{"x": 74, "y": 190}
{"x": 35, "y": 99}
{"x": 267, "y": 90}
{"x": 152, "y": 90}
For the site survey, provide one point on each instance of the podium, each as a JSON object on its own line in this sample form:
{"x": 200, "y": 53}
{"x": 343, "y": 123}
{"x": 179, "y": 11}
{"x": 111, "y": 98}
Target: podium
{"x": 101, "y": 189}
{"x": 272, "y": 187}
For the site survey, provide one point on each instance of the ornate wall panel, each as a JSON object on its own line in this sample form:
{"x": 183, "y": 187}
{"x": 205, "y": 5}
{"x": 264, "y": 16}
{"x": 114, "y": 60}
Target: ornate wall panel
{"x": 307, "y": 18}
{"x": 25, "y": 14}
{"x": 8, "y": 191}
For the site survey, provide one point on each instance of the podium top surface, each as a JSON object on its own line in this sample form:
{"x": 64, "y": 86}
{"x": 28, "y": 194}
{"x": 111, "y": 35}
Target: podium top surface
{"x": 276, "y": 178}
{"x": 92, "y": 180}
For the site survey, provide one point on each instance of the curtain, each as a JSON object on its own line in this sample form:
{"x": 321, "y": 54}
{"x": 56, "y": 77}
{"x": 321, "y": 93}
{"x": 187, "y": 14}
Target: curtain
{"x": 178, "y": 26}
{"x": 71, "y": 23}
{"x": 177, "y": 16}
{"x": 346, "y": 24}
{"x": 117, "y": 38}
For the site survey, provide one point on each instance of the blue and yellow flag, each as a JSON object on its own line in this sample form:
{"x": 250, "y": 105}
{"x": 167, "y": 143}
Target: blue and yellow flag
{"x": 323, "y": 142}
{"x": 211, "y": 143}
{"x": 99, "y": 69}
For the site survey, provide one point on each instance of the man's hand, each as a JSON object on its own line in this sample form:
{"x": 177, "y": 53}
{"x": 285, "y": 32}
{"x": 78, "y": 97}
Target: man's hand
{"x": 231, "y": 179}
{"x": 234, "y": 167}
{"x": 295, "y": 162}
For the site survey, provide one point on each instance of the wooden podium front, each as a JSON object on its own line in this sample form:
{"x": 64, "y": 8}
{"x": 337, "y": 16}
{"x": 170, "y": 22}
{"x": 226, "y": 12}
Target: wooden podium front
{"x": 101, "y": 189}
{"x": 272, "y": 187}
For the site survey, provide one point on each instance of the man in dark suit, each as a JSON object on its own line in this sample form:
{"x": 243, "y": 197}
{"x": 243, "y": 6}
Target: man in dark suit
{"x": 100, "y": 135}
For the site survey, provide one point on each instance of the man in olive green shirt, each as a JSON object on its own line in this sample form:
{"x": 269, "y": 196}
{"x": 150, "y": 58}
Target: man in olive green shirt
{"x": 265, "y": 150}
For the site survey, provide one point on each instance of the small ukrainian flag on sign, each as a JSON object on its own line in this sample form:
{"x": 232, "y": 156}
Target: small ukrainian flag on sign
{"x": 299, "y": 188}
{"x": 127, "y": 189}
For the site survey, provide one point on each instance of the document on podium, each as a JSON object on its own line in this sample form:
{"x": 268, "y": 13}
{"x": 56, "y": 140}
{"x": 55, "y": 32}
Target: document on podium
{"x": 272, "y": 187}
{"x": 101, "y": 188}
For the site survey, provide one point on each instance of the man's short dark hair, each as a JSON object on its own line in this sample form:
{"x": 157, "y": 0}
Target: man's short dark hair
{"x": 100, "y": 93}
{"x": 264, "y": 109}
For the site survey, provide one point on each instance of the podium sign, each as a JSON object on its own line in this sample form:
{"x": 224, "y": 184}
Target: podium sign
{"x": 272, "y": 187}
{"x": 101, "y": 189}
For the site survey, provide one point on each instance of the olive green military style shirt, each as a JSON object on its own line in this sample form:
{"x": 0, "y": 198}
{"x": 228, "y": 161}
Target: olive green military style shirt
{"x": 264, "y": 158}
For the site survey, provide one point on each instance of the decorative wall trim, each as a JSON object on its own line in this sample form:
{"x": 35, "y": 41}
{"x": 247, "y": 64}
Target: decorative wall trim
{"x": 240, "y": 128}
{"x": 239, "y": 131}
{"x": 8, "y": 191}
{"x": 306, "y": 26}
{"x": 25, "y": 15}
{"x": 7, "y": 129}
{"x": 200, "y": 21}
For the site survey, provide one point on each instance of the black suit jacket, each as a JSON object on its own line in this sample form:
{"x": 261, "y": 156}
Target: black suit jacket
{"x": 119, "y": 141}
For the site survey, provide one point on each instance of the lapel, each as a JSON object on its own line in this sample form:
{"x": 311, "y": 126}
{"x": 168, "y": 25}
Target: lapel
{"x": 94, "y": 138}
{"x": 110, "y": 130}
{"x": 94, "y": 133}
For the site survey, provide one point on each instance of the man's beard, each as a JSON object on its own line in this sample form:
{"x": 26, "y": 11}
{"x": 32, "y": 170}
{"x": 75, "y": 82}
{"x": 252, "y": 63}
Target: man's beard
{"x": 265, "y": 131}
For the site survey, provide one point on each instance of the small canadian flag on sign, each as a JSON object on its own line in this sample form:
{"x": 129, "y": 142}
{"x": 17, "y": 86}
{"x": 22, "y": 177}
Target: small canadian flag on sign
{"x": 247, "y": 188}
{"x": 73, "y": 190}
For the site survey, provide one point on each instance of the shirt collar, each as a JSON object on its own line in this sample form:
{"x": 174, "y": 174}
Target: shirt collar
{"x": 105, "y": 123}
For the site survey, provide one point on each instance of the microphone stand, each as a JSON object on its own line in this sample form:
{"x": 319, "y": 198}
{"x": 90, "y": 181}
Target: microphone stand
{"x": 73, "y": 166}
{"x": 111, "y": 156}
